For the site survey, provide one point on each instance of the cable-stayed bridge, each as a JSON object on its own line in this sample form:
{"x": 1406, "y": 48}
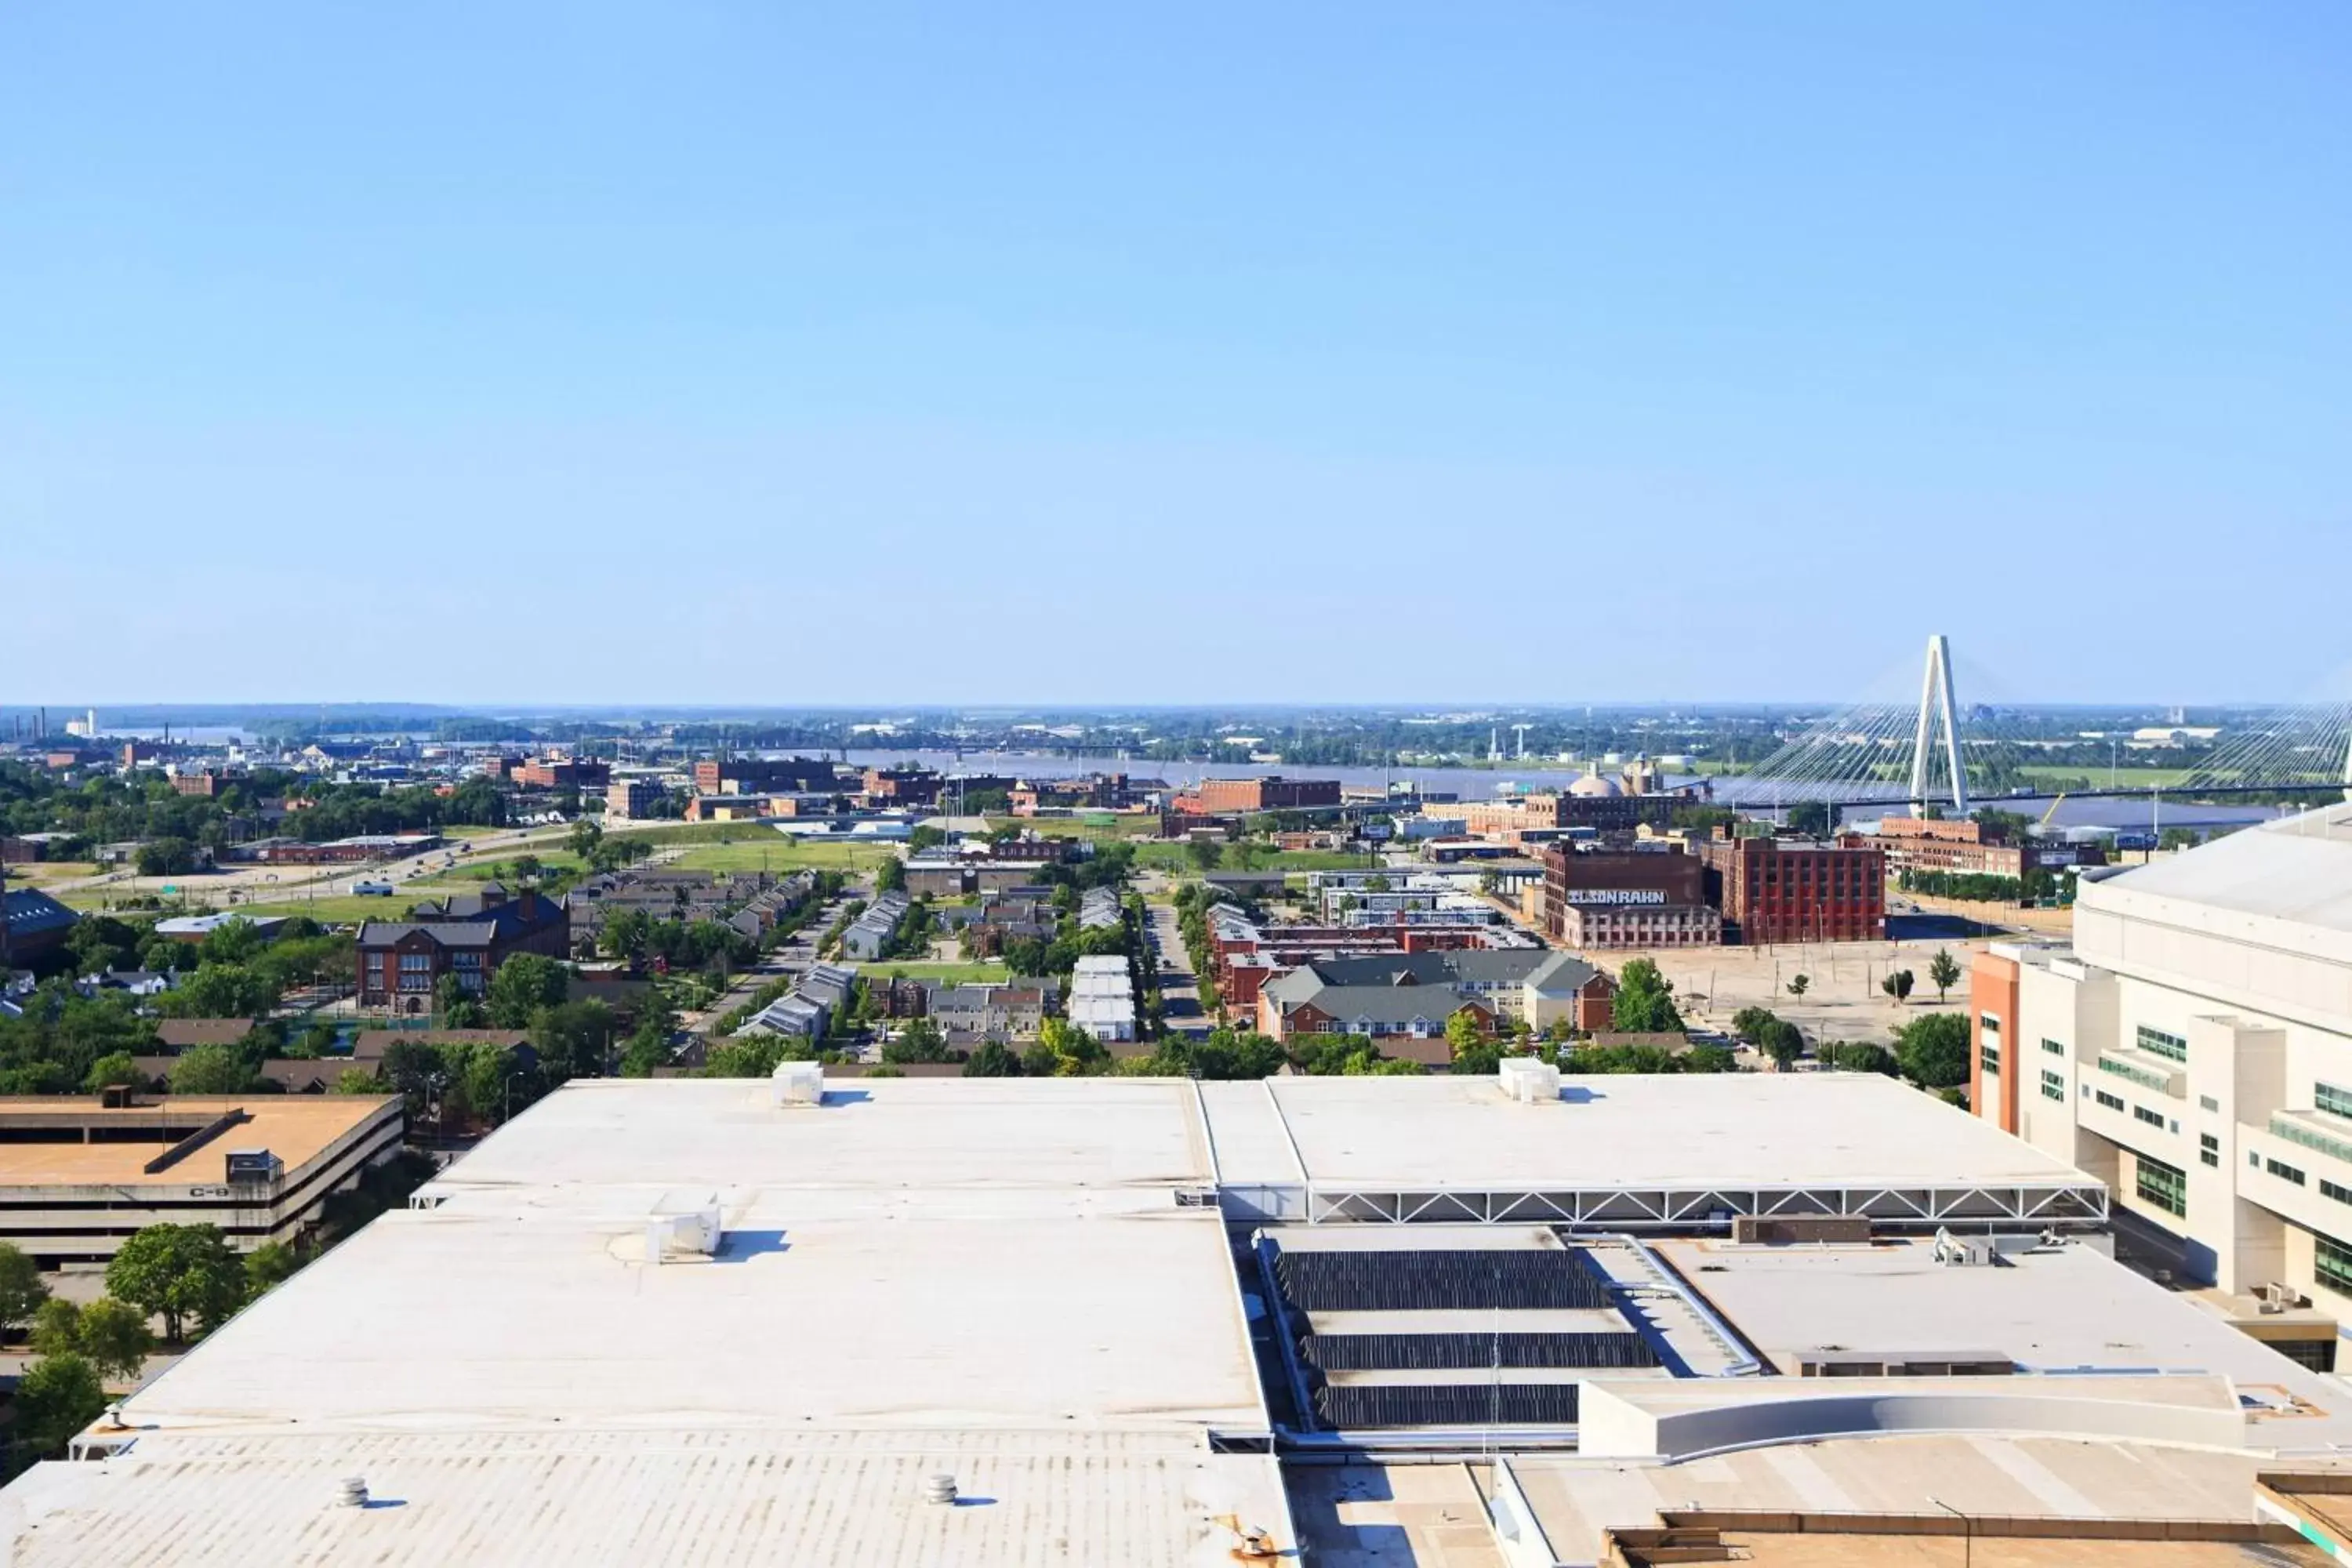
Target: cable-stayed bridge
{"x": 1941, "y": 754}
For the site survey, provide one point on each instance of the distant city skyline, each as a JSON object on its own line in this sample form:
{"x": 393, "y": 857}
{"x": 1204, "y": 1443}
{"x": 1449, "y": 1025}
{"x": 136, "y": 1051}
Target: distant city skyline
{"x": 1077, "y": 357}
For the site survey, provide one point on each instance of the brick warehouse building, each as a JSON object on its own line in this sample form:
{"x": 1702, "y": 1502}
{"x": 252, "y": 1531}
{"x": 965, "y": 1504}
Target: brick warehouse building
{"x": 1211, "y": 798}
{"x": 762, "y": 775}
{"x": 1627, "y": 899}
{"x": 1790, "y": 889}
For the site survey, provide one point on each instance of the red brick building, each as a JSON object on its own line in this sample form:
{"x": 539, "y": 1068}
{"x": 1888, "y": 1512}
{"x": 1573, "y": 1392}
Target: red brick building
{"x": 1787, "y": 889}
{"x": 762, "y": 775}
{"x": 400, "y": 961}
{"x": 564, "y": 773}
{"x": 1627, "y": 899}
{"x": 1213, "y": 797}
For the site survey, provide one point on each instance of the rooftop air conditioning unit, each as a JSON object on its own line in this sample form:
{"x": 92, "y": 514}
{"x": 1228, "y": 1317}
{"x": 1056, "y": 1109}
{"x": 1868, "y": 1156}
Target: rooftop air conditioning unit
{"x": 1528, "y": 1080}
{"x": 799, "y": 1083}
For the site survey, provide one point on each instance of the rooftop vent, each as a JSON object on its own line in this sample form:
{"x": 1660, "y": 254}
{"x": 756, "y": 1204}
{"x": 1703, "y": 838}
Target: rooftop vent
{"x": 1528, "y": 1080}
{"x": 352, "y": 1491}
{"x": 938, "y": 1487}
{"x": 254, "y": 1167}
{"x": 799, "y": 1083}
{"x": 1965, "y": 1251}
{"x": 695, "y": 1234}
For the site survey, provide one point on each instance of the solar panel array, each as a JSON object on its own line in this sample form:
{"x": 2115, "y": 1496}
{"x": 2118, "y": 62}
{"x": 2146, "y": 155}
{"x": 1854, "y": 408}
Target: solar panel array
{"x": 1422, "y": 1353}
{"x": 1482, "y": 1280}
{"x": 1446, "y": 1405}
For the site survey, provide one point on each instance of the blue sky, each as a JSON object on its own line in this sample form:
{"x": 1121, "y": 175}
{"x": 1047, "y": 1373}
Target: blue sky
{"x": 757, "y": 352}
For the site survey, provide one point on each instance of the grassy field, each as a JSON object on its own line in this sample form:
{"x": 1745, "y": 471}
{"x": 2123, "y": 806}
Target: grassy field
{"x": 778, "y": 853}
{"x": 1071, "y": 827}
{"x": 2125, "y": 777}
{"x": 46, "y": 873}
{"x": 1169, "y": 857}
{"x": 945, "y": 974}
{"x": 472, "y": 873}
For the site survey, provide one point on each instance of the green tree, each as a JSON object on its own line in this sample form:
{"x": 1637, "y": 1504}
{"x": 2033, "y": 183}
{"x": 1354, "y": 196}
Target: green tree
{"x": 1783, "y": 1042}
{"x": 166, "y": 858}
{"x": 1809, "y": 819}
{"x": 1898, "y": 984}
{"x": 574, "y": 1039}
{"x": 521, "y": 985}
{"x": 1472, "y": 1051}
{"x": 1644, "y": 1004}
{"x": 454, "y": 1007}
{"x": 179, "y": 1273}
{"x": 112, "y": 1069}
{"x": 919, "y": 1041}
{"x": 527, "y": 867}
{"x": 269, "y": 1265}
{"x": 1858, "y": 1055}
{"x": 1933, "y": 1050}
{"x": 991, "y": 1060}
{"x": 890, "y": 876}
{"x": 22, "y": 1290}
{"x": 358, "y": 1080}
{"x": 1205, "y": 854}
{"x": 1074, "y": 1052}
{"x": 1944, "y": 972}
{"x": 222, "y": 991}
{"x": 57, "y": 1328}
{"x": 584, "y": 838}
{"x": 57, "y": 1397}
{"x": 1799, "y": 985}
{"x": 210, "y": 1069}
{"x": 112, "y": 1336}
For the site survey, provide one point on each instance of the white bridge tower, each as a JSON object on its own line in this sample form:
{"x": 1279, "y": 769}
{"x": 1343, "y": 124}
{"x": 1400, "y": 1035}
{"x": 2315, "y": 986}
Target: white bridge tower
{"x": 1936, "y": 700}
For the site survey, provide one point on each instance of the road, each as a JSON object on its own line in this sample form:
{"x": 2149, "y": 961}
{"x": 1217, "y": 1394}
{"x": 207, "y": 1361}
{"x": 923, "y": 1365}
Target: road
{"x": 792, "y": 958}
{"x": 1180, "y": 993}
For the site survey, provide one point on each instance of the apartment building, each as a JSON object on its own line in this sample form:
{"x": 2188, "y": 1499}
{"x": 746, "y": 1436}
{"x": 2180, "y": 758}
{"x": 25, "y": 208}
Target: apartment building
{"x": 1797, "y": 889}
{"x": 2193, "y": 1048}
{"x": 762, "y": 775}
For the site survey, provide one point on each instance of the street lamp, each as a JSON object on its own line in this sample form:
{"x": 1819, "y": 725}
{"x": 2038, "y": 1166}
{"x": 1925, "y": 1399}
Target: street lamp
{"x": 509, "y": 1115}
{"x": 1968, "y": 1531}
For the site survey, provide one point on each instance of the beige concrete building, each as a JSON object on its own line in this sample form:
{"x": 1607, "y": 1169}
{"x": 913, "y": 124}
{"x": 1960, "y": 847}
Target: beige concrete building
{"x": 2193, "y": 1048}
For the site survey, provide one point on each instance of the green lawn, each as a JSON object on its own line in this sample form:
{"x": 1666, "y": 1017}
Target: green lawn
{"x": 2125, "y": 777}
{"x": 469, "y": 872}
{"x": 1173, "y": 856}
{"x": 777, "y": 853}
{"x": 990, "y": 972}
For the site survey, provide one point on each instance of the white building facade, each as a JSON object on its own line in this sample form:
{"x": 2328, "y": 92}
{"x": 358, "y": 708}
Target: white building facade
{"x": 2194, "y": 1048}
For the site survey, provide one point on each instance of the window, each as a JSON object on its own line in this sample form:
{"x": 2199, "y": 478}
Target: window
{"x": 2310, "y": 1137}
{"x": 2283, "y": 1171}
{"x": 2131, "y": 1074}
{"x": 2113, "y": 1102}
{"x": 413, "y": 962}
{"x": 2341, "y": 1193}
{"x": 2332, "y": 1100}
{"x": 2054, "y": 1047}
{"x": 2209, "y": 1148}
{"x": 2209, "y": 1103}
{"x": 2163, "y": 1044}
{"x": 2167, "y": 1186}
{"x": 2332, "y": 1261}
{"x": 2152, "y": 1118}
{"x": 1991, "y": 1056}
{"x": 2053, "y": 1087}
{"x": 1990, "y": 1024}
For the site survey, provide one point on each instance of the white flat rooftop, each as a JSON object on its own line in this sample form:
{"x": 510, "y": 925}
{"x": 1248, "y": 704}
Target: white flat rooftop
{"x": 1693, "y": 1131}
{"x": 2064, "y": 1310}
{"x": 916, "y": 1276}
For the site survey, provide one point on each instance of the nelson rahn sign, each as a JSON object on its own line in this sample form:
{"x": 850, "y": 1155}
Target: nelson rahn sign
{"x": 1616, "y": 895}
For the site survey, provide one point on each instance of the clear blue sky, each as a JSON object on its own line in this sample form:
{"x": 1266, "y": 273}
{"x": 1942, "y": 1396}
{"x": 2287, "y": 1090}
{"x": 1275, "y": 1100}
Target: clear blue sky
{"x": 868, "y": 353}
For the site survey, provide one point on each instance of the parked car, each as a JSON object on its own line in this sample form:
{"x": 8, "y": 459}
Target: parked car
{"x": 372, "y": 889}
